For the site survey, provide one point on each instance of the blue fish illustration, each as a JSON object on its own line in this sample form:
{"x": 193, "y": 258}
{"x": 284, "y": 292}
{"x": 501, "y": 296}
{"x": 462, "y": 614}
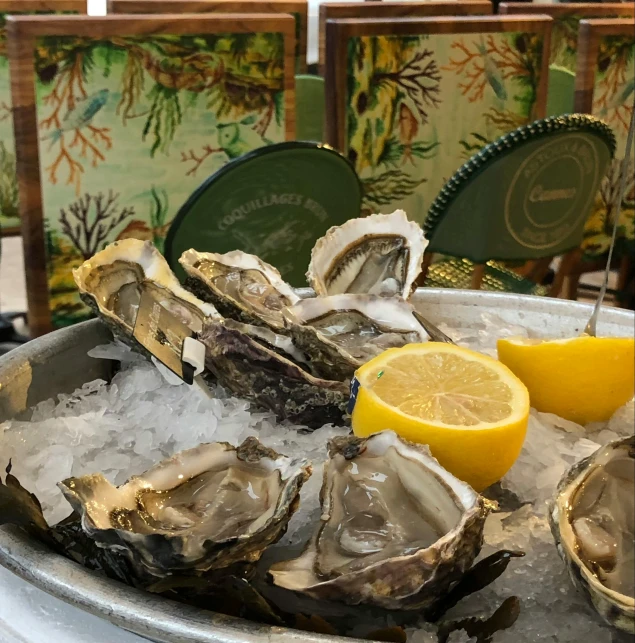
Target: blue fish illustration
{"x": 237, "y": 139}
{"x": 492, "y": 73}
{"x": 619, "y": 98}
{"x": 81, "y": 115}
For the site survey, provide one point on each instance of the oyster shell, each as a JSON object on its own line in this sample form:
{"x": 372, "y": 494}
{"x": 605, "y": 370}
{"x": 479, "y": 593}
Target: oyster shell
{"x": 342, "y": 332}
{"x": 205, "y": 508}
{"x": 376, "y": 255}
{"x": 256, "y": 369}
{"x": 592, "y": 519}
{"x": 240, "y": 285}
{"x": 112, "y": 280}
{"x": 396, "y": 528}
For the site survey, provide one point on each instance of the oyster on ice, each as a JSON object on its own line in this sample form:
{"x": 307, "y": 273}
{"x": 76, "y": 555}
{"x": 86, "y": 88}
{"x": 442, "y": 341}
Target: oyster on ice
{"x": 396, "y": 528}
{"x": 592, "y": 519}
{"x": 205, "y": 508}
{"x": 111, "y": 283}
{"x": 342, "y": 332}
{"x": 268, "y": 370}
{"x": 376, "y": 255}
{"x": 241, "y": 286}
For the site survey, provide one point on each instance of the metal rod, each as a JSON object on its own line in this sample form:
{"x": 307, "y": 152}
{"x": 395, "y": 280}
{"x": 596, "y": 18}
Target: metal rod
{"x": 591, "y": 327}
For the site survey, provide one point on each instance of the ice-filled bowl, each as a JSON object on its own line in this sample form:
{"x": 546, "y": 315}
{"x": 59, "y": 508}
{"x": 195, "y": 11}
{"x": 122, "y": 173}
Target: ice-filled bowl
{"x": 58, "y": 363}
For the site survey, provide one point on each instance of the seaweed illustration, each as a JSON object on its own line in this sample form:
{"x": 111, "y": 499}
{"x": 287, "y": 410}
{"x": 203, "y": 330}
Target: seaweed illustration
{"x": 390, "y": 186}
{"x": 419, "y": 78}
{"x": 8, "y": 184}
{"x": 489, "y": 63}
{"x": 162, "y": 76}
{"x": 598, "y": 229}
{"x": 614, "y": 86}
{"x": 89, "y": 220}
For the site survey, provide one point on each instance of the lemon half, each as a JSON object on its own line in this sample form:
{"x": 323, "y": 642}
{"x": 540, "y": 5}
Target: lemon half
{"x": 470, "y": 409}
{"x": 582, "y": 379}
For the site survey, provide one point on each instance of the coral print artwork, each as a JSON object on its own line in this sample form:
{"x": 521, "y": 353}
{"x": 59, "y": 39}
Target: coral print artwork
{"x": 130, "y": 126}
{"x": 613, "y": 96}
{"x": 419, "y": 106}
{"x": 9, "y": 214}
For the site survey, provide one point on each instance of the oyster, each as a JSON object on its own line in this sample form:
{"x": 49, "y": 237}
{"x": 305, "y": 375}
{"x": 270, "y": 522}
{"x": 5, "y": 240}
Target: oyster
{"x": 376, "y": 255}
{"x": 396, "y": 528}
{"x": 342, "y": 332}
{"x": 240, "y": 285}
{"x": 592, "y": 519}
{"x": 203, "y": 509}
{"x": 112, "y": 281}
{"x": 260, "y": 370}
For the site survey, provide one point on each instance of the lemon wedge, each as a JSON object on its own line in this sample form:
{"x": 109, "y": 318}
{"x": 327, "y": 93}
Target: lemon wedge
{"x": 470, "y": 409}
{"x": 582, "y": 379}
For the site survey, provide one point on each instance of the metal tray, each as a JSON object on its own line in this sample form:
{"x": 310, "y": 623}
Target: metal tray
{"x": 57, "y": 363}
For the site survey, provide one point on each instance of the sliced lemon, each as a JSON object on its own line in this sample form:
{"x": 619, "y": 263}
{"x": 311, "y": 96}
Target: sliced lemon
{"x": 468, "y": 408}
{"x": 582, "y": 379}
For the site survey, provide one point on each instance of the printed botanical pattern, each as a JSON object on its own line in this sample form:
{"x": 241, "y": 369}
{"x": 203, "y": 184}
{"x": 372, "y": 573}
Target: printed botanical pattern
{"x": 129, "y": 127}
{"x": 419, "y": 106}
{"x": 9, "y": 215}
{"x": 564, "y": 38}
{"x": 613, "y": 103}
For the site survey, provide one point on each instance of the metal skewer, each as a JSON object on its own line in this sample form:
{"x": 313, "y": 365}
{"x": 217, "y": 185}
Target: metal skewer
{"x": 591, "y": 327}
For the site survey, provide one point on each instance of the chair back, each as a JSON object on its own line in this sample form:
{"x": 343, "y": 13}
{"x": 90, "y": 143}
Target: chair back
{"x": 275, "y": 203}
{"x": 417, "y": 97}
{"x": 296, "y": 8}
{"x": 525, "y": 196}
{"x": 309, "y": 108}
{"x": 564, "y": 41}
{"x": 118, "y": 120}
{"x": 9, "y": 212}
{"x": 412, "y": 9}
{"x": 605, "y": 87}
{"x": 561, "y": 90}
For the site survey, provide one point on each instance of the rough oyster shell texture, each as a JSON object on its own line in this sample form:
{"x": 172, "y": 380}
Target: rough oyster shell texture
{"x": 111, "y": 281}
{"x": 203, "y": 509}
{"x": 592, "y": 521}
{"x": 396, "y": 528}
{"x": 241, "y": 286}
{"x": 376, "y": 255}
{"x": 250, "y": 369}
{"x": 342, "y": 332}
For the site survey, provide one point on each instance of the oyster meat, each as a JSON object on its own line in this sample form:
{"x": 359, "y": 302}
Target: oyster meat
{"x": 376, "y": 255}
{"x": 396, "y": 528}
{"x": 241, "y": 286}
{"x": 203, "y": 509}
{"x": 592, "y": 519}
{"x": 269, "y": 371}
{"x": 112, "y": 281}
{"x": 342, "y": 332}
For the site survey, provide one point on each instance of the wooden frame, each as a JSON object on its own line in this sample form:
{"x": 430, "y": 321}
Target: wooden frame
{"x": 339, "y": 10}
{"x": 338, "y": 33}
{"x": 591, "y": 33}
{"x": 23, "y": 34}
{"x": 563, "y": 32}
{"x": 297, "y": 8}
{"x": 15, "y": 7}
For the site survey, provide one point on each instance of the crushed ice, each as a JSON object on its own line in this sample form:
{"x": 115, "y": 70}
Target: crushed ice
{"x": 140, "y": 418}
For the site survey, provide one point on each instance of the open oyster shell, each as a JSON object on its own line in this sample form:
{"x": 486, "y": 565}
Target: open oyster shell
{"x": 342, "y": 332}
{"x": 205, "y": 508}
{"x": 592, "y": 519}
{"x": 376, "y": 255}
{"x": 112, "y": 280}
{"x": 240, "y": 285}
{"x": 258, "y": 369}
{"x": 396, "y": 528}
